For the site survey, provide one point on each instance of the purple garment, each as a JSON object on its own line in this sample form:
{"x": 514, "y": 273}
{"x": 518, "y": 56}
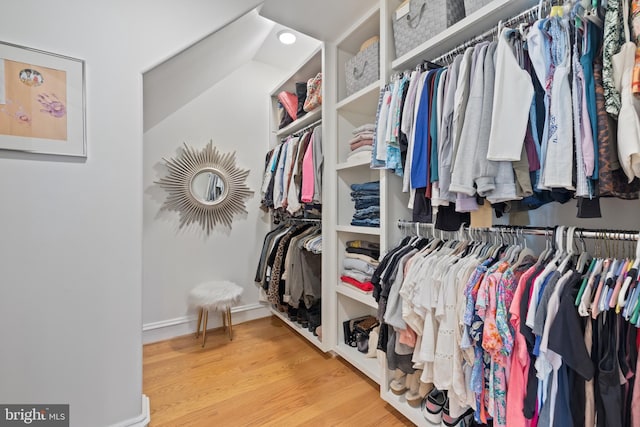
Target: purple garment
{"x": 532, "y": 153}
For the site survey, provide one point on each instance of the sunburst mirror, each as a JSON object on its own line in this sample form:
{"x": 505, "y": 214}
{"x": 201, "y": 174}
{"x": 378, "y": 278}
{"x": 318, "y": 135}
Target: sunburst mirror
{"x": 205, "y": 187}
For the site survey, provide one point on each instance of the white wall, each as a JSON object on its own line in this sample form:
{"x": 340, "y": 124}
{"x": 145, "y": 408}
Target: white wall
{"x": 182, "y": 78}
{"x": 234, "y": 114}
{"x": 70, "y": 301}
{"x": 617, "y": 214}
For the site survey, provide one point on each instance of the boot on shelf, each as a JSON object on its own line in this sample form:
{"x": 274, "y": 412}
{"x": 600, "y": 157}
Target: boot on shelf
{"x": 398, "y": 384}
{"x": 302, "y": 318}
{"x": 413, "y": 394}
{"x": 314, "y": 314}
{"x": 301, "y": 92}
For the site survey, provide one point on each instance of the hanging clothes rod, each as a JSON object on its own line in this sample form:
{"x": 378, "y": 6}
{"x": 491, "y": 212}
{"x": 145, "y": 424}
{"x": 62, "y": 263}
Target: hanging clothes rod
{"x": 527, "y": 16}
{"x": 302, "y": 220}
{"x": 535, "y": 231}
{"x": 306, "y": 128}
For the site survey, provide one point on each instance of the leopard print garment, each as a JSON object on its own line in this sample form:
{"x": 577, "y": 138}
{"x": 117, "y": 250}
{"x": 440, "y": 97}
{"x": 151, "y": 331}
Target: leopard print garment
{"x": 273, "y": 292}
{"x": 613, "y": 40}
{"x": 612, "y": 182}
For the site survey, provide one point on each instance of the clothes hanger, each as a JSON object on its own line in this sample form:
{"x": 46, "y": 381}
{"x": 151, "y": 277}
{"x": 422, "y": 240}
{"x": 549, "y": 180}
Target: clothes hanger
{"x": 526, "y": 251}
{"x": 591, "y": 12}
{"x": 614, "y": 270}
{"x": 622, "y": 296}
{"x": 569, "y": 250}
{"x": 512, "y": 246}
{"x": 584, "y": 304}
{"x": 584, "y": 258}
{"x": 636, "y": 308}
{"x": 496, "y": 245}
{"x": 546, "y": 249}
{"x": 486, "y": 245}
{"x": 621, "y": 274}
{"x": 606, "y": 267}
{"x": 559, "y": 251}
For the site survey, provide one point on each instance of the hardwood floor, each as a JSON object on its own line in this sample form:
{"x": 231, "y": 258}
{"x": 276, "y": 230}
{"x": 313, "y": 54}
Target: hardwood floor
{"x": 267, "y": 376}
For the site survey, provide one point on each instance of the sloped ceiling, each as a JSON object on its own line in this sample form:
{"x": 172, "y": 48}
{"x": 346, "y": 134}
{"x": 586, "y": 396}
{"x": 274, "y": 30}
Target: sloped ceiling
{"x": 324, "y": 20}
{"x": 180, "y": 79}
{"x": 285, "y": 57}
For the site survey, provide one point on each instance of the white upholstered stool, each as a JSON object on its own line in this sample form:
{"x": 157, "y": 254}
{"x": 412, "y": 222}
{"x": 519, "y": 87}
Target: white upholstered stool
{"x": 215, "y": 295}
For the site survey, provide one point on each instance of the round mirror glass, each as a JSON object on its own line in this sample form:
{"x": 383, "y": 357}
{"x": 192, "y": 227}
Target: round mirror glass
{"x": 208, "y": 187}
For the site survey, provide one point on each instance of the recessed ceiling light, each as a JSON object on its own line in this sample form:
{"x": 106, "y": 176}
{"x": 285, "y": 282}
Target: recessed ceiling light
{"x": 286, "y": 37}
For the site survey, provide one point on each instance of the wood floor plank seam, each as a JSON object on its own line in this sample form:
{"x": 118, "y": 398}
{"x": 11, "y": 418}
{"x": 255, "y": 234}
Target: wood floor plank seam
{"x": 267, "y": 376}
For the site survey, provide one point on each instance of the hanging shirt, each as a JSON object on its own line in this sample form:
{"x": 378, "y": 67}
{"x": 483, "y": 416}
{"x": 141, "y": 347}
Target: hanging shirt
{"x": 485, "y": 170}
{"x": 628, "y": 120}
{"x": 462, "y": 177}
{"x": 308, "y": 174}
{"x": 460, "y": 101}
{"x": 582, "y": 163}
{"x": 445, "y": 145}
{"x": 613, "y": 39}
{"x": 278, "y": 187}
{"x": 559, "y": 157}
{"x": 510, "y": 112}
{"x": 381, "y": 127}
{"x": 436, "y": 117}
{"x": 375, "y": 163}
{"x": 318, "y": 162}
{"x": 420, "y": 156}
{"x": 407, "y": 124}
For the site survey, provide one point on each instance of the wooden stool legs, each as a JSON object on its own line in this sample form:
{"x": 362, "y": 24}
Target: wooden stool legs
{"x": 204, "y": 330}
{"x": 199, "y": 321}
{"x": 230, "y": 326}
{"x": 203, "y": 317}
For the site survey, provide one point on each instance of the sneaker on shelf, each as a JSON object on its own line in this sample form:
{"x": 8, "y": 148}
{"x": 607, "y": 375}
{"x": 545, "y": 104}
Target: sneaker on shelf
{"x": 464, "y": 420}
{"x": 432, "y": 406}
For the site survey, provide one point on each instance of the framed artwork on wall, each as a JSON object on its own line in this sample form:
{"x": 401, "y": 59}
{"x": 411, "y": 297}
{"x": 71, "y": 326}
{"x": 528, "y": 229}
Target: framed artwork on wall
{"x": 42, "y": 102}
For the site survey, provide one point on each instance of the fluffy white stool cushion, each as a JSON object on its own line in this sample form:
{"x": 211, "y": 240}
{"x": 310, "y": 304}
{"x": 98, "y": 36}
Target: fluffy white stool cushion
{"x": 215, "y": 295}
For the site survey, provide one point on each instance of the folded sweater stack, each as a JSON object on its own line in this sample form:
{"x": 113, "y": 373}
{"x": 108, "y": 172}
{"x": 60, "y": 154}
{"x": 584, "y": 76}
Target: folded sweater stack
{"x": 360, "y": 261}
{"x": 361, "y": 144}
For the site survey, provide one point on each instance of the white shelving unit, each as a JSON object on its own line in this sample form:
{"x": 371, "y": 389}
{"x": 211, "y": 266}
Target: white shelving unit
{"x": 483, "y": 19}
{"x": 361, "y": 100}
{"x": 394, "y": 202}
{"x": 301, "y": 123}
{"x": 345, "y": 114}
{"x": 372, "y": 231}
{"x": 401, "y": 405}
{"x": 353, "y": 164}
{"x": 363, "y": 297}
{"x": 369, "y": 366}
{"x": 341, "y": 114}
{"x": 299, "y": 329}
{"x": 313, "y": 65}
{"x": 349, "y": 307}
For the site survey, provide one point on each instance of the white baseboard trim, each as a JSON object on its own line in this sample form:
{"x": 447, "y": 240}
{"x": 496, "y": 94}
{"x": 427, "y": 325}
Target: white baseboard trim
{"x": 141, "y": 420}
{"x": 171, "y": 328}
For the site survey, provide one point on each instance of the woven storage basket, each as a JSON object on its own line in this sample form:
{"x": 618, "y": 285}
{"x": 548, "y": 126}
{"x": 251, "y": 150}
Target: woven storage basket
{"x": 471, "y": 6}
{"x": 363, "y": 69}
{"x": 425, "y": 19}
